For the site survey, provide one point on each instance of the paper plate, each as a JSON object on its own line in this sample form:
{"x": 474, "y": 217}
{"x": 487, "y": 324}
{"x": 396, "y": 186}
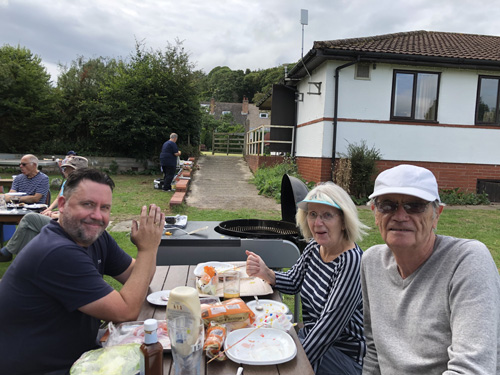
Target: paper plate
{"x": 220, "y": 267}
{"x": 156, "y": 298}
{"x": 269, "y": 306}
{"x": 264, "y": 346}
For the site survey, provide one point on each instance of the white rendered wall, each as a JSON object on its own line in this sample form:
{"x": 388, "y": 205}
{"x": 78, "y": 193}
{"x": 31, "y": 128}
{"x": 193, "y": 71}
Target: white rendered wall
{"x": 370, "y": 100}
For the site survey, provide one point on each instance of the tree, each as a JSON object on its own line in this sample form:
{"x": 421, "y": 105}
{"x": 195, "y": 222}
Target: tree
{"x": 80, "y": 87}
{"x": 27, "y": 111}
{"x": 146, "y": 100}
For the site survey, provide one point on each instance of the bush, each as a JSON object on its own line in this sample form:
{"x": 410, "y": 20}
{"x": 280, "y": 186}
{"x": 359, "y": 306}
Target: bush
{"x": 457, "y": 197}
{"x": 268, "y": 179}
{"x": 362, "y": 169}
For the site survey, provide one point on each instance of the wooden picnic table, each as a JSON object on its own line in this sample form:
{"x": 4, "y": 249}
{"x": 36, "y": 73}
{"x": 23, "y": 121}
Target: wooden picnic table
{"x": 169, "y": 277}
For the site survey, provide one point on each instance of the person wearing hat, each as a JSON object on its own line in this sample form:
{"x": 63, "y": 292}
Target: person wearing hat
{"x": 327, "y": 276}
{"x": 431, "y": 302}
{"x": 32, "y": 223}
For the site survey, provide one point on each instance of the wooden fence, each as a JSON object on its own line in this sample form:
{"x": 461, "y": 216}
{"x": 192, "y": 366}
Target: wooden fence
{"x": 229, "y": 143}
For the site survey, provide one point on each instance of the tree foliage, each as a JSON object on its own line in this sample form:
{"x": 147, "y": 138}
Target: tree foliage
{"x": 226, "y": 85}
{"x": 27, "y": 111}
{"x": 114, "y": 107}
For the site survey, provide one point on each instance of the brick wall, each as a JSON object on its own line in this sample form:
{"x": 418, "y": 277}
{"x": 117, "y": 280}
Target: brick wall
{"x": 452, "y": 175}
{"x": 315, "y": 169}
{"x": 257, "y": 161}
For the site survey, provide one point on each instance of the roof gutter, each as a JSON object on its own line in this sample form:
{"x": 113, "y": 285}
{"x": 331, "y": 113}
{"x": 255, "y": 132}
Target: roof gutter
{"x": 335, "y": 109}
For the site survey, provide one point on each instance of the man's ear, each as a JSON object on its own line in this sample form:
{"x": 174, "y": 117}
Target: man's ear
{"x": 61, "y": 200}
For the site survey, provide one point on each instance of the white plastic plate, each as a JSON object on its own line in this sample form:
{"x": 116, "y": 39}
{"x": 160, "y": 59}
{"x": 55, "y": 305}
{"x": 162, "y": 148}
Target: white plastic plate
{"x": 156, "y": 298}
{"x": 264, "y": 346}
{"x": 270, "y": 306}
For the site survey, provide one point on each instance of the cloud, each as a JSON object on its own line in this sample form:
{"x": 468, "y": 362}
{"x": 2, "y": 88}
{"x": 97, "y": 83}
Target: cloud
{"x": 257, "y": 35}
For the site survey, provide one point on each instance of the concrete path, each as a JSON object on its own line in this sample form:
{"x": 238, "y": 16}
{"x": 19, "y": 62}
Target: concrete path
{"x": 223, "y": 182}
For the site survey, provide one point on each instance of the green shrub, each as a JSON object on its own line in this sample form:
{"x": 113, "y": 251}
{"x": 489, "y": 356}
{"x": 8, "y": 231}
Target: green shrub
{"x": 363, "y": 168}
{"x": 268, "y": 179}
{"x": 457, "y": 197}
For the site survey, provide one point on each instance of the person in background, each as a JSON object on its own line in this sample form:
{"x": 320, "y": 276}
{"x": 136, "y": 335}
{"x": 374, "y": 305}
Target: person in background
{"x": 168, "y": 161}
{"x": 68, "y": 155}
{"x": 31, "y": 181}
{"x": 53, "y": 294}
{"x": 327, "y": 275}
{"x": 32, "y": 223}
{"x": 431, "y": 302}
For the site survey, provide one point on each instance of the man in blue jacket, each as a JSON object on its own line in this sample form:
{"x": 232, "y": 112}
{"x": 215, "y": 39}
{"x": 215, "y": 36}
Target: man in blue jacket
{"x": 168, "y": 161}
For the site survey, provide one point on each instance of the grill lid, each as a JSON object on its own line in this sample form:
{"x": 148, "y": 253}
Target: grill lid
{"x": 293, "y": 191}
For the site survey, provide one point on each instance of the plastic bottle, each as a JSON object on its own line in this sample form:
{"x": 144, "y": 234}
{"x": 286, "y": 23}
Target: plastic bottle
{"x": 185, "y": 301}
{"x": 151, "y": 350}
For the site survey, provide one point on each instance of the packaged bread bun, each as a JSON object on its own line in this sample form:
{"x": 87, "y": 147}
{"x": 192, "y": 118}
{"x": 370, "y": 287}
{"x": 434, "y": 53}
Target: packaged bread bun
{"x": 231, "y": 310}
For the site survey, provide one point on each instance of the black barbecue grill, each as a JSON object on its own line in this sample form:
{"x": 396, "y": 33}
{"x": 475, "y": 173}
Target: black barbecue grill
{"x": 293, "y": 191}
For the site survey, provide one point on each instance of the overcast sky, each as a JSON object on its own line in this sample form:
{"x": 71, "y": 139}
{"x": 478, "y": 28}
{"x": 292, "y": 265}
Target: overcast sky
{"x": 254, "y": 34}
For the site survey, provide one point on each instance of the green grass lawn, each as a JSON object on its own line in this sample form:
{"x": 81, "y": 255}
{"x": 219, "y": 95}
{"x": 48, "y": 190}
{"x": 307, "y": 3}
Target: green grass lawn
{"x": 133, "y": 191}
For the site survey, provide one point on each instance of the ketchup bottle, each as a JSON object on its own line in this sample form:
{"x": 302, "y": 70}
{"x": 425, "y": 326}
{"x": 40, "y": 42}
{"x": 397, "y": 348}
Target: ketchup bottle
{"x": 151, "y": 350}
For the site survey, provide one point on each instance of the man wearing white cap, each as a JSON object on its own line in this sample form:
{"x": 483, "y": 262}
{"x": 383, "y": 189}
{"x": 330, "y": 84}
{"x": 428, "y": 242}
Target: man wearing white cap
{"x": 431, "y": 302}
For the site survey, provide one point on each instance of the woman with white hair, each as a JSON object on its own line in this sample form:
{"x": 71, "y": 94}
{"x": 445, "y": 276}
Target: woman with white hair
{"x": 327, "y": 275}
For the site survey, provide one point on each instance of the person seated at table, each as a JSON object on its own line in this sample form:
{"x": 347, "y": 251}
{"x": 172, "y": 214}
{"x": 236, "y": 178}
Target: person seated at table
{"x": 54, "y": 296}
{"x": 327, "y": 275}
{"x": 32, "y": 223}
{"x": 31, "y": 181}
{"x": 431, "y": 302}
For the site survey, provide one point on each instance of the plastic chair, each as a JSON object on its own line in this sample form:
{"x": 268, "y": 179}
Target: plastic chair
{"x": 47, "y": 199}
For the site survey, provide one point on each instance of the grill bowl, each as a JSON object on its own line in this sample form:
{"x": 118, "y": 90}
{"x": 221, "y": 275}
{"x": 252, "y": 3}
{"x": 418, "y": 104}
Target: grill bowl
{"x": 255, "y": 228}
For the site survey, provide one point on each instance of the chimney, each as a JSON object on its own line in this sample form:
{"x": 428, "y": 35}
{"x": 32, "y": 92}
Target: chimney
{"x": 244, "y": 106}
{"x": 212, "y": 106}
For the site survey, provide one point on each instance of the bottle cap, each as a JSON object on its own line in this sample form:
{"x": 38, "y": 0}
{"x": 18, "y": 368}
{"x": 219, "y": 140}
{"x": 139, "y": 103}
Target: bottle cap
{"x": 150, "y": 325}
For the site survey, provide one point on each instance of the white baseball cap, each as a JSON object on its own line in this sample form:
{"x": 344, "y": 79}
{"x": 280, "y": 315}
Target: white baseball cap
{"x": 409, "y": 180}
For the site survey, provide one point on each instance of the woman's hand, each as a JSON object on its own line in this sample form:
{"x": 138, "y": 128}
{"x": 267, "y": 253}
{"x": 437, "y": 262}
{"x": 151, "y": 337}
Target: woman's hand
{"x": 257, "y": 267}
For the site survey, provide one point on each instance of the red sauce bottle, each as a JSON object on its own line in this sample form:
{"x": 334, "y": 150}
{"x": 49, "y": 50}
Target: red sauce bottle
{"x": 151, "y": 350}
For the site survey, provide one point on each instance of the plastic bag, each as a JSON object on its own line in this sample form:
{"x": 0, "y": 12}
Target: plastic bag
{"x": 208, "y": 282}
{"x": 216, "y": 335}
{"x": 113, "y": 360}
{"x": 274, "y": 320}
{"x": 133, "y": 332}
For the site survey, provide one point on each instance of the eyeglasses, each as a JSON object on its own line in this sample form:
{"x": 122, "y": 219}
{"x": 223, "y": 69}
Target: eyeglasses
{"x": 23, "y": 164}
{"x": 389, "y": 207}
{"x": 325, "y": 217}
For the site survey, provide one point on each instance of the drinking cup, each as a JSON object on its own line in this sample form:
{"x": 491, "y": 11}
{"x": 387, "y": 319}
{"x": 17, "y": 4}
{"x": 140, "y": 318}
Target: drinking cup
{"x": 231, "y": 284}
{"x": 187, "y": 336}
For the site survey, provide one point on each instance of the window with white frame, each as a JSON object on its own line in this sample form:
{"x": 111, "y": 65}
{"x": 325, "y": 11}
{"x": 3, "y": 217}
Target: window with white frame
{"x": 226, "y": 112}
{"x": 415, "y": 95}
{"x": 263, "y": 115}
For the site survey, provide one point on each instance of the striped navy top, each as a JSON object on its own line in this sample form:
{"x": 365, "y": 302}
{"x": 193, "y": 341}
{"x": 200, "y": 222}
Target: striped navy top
{"x": 37, "y": 184}
{"x": 332, "y": 305}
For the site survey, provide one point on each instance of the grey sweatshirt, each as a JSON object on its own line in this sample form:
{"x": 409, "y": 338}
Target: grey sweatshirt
{"x": 442, "y": 319}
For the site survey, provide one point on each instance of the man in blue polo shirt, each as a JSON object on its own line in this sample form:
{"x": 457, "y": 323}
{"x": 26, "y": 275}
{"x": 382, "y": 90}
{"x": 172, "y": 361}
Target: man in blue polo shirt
{"x": 53, "y": 296}
{"x": 168, "y": 161}
{"x": 31, "y": 181}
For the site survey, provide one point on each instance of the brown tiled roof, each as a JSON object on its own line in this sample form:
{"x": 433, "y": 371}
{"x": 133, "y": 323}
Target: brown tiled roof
{"x": 422, "y": 43}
